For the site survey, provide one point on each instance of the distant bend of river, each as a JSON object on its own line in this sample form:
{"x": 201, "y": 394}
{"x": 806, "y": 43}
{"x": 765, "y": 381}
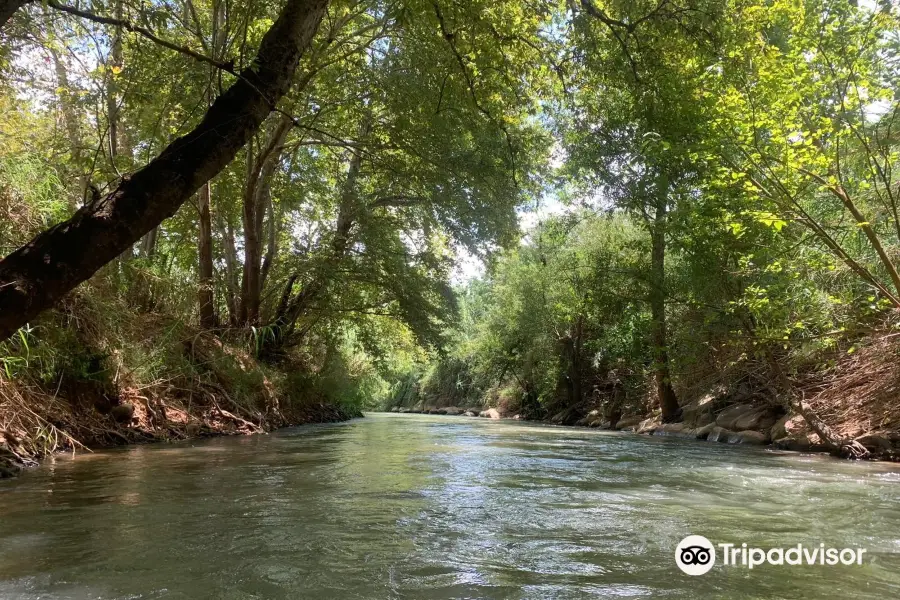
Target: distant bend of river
{"x": 426, "y": 507}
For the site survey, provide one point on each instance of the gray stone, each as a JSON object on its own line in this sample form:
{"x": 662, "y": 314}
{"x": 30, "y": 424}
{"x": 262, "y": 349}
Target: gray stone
{"x": 122, "y": 413}
{"x": 566, "y": 416}
{"x": 628, "y": 423}
{"x": 793, "y": 443}
{"x": 699, "y": 412}
{"x": 649, "y": 425}
{"x": 876, "y": 443}
{"x": 728, "y": 417}
{"x": 761, "y": 419}
{"x": 747, "y": 437}
{"x": 670, "y": 429}
{"x": 717, "y": 434}
{"x": 701, "y": 433}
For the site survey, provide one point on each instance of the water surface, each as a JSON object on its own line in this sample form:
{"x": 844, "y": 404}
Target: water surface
{"x": 415, "y": 506}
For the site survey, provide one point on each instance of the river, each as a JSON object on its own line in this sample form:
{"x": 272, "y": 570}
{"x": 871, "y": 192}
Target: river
{"x": 416, "y": 506}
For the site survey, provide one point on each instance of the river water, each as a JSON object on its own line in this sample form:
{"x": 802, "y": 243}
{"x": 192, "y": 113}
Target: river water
{"x": 415, "y": 506}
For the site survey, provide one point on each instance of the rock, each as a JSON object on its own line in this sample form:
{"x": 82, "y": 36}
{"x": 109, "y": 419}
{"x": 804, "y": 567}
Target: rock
{"x": 567, "y": 416}
{"x": 592, "y": 419}
{"x": 761, "y": 419}
{"x": 727, "y": 419}
{"x": 469, "y": 413}
{"x": 404, "y": 410}
{"x": 793, "y": 443}
{"x": 396, "y": 409}
{"x": 9, "y": 469}
{"x": 704, "y": 419}
{"x": 699, "y": 412}
{"x": 779, "y": 429}
{"x": 596, "y": 419}
{"x": 628, "y": 423}
{"x": 491, "y": 413}
{"x": 452, "y": 411}
{"x": 122, "y": 413}
{"x": 789, "y": 425}
{"x": 670, "y": 429}
{"x": 747, "y": 437}
{"x": 717, "y": 434}
{"x": 517, "y": 417}
{"x": 701, "y": 433}
{"x": 649, "y": 425}
{"x": 876, "y": 443}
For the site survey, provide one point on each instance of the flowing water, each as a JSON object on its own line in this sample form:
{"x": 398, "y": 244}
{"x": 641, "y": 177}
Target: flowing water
{"x": 414, "y": 506}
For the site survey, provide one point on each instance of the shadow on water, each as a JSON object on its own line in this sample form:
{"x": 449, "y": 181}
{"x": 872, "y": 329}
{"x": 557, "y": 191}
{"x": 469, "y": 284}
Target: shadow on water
{"x": 414, "y": 506}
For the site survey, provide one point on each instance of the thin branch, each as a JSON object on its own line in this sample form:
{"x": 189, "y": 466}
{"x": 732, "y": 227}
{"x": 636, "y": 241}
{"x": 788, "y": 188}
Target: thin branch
{"x": 227, "y": 66}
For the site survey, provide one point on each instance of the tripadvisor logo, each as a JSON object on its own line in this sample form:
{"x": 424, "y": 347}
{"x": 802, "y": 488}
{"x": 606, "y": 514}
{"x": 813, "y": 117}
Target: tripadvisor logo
{"x": 696, "y": 555}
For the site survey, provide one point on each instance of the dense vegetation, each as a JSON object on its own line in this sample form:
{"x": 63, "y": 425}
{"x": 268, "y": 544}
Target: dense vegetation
{"x": 257, "y": 207}
{"x": 725, "y": 223}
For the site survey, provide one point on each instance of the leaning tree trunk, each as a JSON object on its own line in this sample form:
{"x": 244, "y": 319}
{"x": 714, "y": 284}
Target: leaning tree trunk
{"x": 8, "y": 7}
{"x": 668, "y": 402}
{"x": 37, "y": 275}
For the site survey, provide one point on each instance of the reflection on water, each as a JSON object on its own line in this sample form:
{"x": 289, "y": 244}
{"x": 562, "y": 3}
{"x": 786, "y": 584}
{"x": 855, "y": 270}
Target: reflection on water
{"x": 414, "y": 506}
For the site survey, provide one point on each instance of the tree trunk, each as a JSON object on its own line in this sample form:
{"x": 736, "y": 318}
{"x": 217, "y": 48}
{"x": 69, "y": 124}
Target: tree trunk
{"x": 8, "y": 7}
{"x": 205, "y": 266}
{"x": 272, "y": 240}
{"x": 249, "y": 309}
{"x": 289, "y": 312}
{"x": 37, "y": 275}
{"x": 148, "y": 245}
{"x": 226, "y": 230}
{"x": 667, "y": 399}
{"x": 112, "y": 88}
{"x": 572, "y": 359}
{"x": 260, "y": 171}
{"x": 70, "y": 122}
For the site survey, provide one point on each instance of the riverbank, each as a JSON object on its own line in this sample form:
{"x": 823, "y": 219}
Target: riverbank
{"x": 160, "y": 381}
{"x": 63, "y": 427}
{"x": 736, "y": 424}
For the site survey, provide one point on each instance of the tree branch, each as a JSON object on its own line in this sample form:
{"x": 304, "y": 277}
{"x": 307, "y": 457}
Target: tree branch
{"x": 227, "y": 66}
